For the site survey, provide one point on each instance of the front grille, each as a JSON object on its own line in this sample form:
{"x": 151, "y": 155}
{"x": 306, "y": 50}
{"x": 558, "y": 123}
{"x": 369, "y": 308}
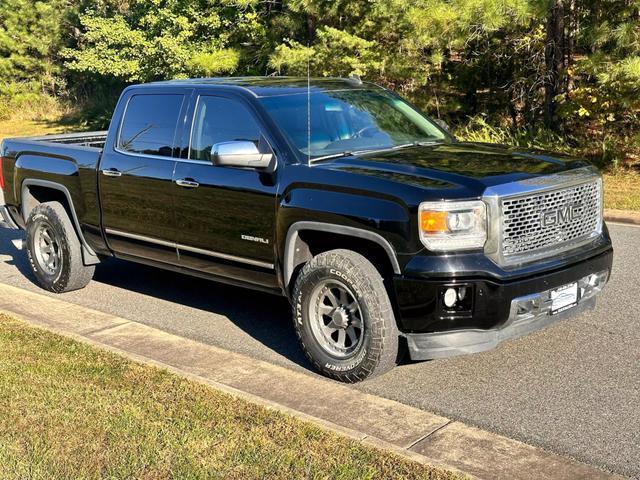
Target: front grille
{"x": 551, "y": 219}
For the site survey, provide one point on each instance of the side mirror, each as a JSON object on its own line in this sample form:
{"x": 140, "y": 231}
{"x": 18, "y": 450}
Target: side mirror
{"x": 241, "y": 153}
{"x": 442, "y": 124}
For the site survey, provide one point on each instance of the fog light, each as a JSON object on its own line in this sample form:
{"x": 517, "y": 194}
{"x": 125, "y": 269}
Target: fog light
{"x": 450, "y": 297}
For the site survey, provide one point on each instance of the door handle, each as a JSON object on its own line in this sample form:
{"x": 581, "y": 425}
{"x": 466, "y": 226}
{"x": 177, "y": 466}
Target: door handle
{"x": 112, "y": 172}
{"x": 187, "y": 183}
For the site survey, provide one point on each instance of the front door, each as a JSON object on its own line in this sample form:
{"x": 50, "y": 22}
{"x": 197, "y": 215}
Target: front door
{"x": 225, "y": 216}
{"x": 135, "y": 178}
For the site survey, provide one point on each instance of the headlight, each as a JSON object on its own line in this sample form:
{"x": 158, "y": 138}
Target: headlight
{"x": 446, "y": 226}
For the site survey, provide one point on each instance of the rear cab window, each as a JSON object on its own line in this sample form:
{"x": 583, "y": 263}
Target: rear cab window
{"x": 150, "y": 124}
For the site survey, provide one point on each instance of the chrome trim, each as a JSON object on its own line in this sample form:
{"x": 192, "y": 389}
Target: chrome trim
{"x": 111, "y": 173}
{"x": 159, "y": 157}
{"x": 226, "y": 256}
{"x": 142, "y": 238}
{"x": 179, "y": 246}
{"x": 187, "y": 183}
{"x": 494, "y": 195}
{"x": 193, "y": 122}
{"x": 235, "y": 147}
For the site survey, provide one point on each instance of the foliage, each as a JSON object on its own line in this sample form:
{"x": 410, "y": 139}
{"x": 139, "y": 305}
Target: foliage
{"x": 572, "y": 65}
{"x": 476, "y": 129}
{"x": 31, "y": 33}
{"x": 157, "y": 39}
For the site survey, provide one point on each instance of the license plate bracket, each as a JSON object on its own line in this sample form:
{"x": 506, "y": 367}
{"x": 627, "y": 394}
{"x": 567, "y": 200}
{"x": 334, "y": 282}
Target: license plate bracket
{"x": 563, "y": 298}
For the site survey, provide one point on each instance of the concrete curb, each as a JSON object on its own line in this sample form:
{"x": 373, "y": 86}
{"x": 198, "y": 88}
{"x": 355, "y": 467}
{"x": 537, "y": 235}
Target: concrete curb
{"x": 413, "y": 433}
{"x": 622, "y": 216}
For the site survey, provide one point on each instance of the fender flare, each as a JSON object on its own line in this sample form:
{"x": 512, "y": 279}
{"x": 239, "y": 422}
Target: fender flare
{"x": 88, "y": 255}
{"x": 293, "y": 235}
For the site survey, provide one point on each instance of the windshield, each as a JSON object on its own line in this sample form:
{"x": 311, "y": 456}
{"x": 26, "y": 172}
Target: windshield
{"x": 349, "y": 121}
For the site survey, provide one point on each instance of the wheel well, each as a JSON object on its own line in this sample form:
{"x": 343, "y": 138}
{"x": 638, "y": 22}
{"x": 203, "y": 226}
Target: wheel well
{"x": 310, "y": 243}
{"x": 34, "y": 195}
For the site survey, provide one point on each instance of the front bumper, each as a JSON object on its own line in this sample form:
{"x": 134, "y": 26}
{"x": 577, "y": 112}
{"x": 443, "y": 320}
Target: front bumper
{"x": 527, "y": 314}
{"x": 497, "y": 310}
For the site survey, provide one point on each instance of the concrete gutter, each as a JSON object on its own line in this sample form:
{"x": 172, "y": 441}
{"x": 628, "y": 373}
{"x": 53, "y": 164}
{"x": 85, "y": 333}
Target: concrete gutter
{"x": 419, "y": 435}
{"x": 622, "y": 216}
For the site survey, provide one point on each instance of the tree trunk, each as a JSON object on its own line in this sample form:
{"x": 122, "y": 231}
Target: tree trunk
{"x": 554, "y": 61}
{"x": 571, "y": 33}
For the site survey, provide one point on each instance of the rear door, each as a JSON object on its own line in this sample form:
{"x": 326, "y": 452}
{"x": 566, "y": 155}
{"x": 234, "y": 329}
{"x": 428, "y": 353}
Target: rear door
{"x": 135, "y": 177}
{"x": 225, "y": 215}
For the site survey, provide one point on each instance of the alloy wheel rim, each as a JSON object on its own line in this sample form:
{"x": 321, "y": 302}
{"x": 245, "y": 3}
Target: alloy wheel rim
{"x": 47, "y": 249}
{"x": 336, "y": 319}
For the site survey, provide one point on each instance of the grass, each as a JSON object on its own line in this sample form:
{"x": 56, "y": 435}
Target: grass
{"x": 622, "y": 190}
{"x": 27, "y": 128}
{"x": 622, "y": 187}
{"x": 70, "y": 410}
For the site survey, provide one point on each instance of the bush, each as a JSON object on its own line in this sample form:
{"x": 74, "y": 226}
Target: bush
{"x": 477, "y": 129}
{"x": 30, "y": 106}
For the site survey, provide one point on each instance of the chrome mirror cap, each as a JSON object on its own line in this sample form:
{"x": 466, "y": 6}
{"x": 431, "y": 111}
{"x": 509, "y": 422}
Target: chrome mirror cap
{"x": 240, "y": 153}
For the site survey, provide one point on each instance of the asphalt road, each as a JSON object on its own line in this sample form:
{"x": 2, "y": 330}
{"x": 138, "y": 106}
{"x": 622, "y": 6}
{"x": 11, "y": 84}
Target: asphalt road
{"x": 573, "y": 389}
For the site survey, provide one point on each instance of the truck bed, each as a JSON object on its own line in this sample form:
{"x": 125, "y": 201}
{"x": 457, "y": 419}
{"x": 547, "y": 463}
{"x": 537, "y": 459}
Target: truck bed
{"x": 69, "y": 160}
{"x": 84, "y": 139}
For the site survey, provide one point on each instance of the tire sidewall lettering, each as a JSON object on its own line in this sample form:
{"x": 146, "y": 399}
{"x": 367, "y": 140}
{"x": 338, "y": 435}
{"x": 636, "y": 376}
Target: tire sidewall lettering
{"x": 300, "y": 312}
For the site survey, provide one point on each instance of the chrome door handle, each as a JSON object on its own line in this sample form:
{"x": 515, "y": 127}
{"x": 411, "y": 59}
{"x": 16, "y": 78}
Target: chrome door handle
{"x": 112, "y": 172}
{"x": 187, "y": 183}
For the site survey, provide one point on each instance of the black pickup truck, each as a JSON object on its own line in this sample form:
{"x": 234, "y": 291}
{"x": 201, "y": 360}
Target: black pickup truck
{"x": 386, "y": 233}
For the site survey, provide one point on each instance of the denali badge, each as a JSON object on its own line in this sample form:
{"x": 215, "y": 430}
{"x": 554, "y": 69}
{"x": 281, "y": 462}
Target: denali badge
{"x": 254, "y": 239}
{"x": 560, "y": 215}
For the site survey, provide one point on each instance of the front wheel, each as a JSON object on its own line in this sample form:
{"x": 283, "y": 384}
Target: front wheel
{"x": 54, "y": 250}
{"x": 343, "y": 317}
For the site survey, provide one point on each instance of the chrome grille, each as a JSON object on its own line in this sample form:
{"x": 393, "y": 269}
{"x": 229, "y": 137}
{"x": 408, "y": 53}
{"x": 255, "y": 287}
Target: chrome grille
{"x": 550, "y": 220}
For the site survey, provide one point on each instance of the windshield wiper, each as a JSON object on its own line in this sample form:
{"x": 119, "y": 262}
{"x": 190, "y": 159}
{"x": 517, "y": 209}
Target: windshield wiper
{"x": 348, "y": 153}
{"x": 423, "y": 143}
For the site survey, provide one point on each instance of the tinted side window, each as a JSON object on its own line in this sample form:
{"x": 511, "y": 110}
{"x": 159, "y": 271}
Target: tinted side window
{"x": 149, "y": 124}
{"x": 220, "y": 120}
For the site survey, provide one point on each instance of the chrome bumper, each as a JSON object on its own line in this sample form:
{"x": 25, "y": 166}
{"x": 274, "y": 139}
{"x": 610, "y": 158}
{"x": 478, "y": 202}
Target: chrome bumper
{"x": 527, "y": 314}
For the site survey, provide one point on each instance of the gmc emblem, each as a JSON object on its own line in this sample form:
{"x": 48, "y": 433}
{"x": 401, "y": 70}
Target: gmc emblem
{"x": 560, "y": 215}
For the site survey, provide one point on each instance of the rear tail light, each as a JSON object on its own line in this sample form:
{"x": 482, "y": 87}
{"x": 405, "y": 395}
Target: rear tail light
{"x": 1, "y": 174}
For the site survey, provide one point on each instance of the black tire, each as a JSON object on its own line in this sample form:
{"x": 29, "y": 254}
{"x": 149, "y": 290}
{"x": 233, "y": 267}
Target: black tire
{"x": 376, "y": 348}
{"x": 67, "y": 272}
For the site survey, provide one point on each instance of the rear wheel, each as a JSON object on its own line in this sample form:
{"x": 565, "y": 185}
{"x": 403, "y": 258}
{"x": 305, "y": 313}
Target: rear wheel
{"x": 343, "y": 317}
{"x": 54, "y": 250}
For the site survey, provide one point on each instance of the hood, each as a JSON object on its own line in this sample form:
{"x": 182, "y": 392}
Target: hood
{"x": 460, "y": 166}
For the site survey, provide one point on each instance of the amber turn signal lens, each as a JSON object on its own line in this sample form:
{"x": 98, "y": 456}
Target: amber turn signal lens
{"x": 433, "y": 221}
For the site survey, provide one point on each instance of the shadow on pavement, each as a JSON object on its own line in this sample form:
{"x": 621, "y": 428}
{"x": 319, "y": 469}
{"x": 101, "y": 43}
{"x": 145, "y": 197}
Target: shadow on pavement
{"x": 265, "y": 317}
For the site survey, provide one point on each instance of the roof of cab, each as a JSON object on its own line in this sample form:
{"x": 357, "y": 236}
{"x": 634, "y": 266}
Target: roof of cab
{"x": 272, "y": 86}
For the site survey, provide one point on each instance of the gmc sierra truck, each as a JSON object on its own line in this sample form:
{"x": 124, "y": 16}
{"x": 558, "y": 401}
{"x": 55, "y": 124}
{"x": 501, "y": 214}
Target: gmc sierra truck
{"x": 387, "y": 235}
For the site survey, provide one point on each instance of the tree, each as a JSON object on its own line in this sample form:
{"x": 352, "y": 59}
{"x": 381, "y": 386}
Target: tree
{"x": 555, "y": 54}
{"x": 158, "y": 39}
{"x": 31, "y": 34}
